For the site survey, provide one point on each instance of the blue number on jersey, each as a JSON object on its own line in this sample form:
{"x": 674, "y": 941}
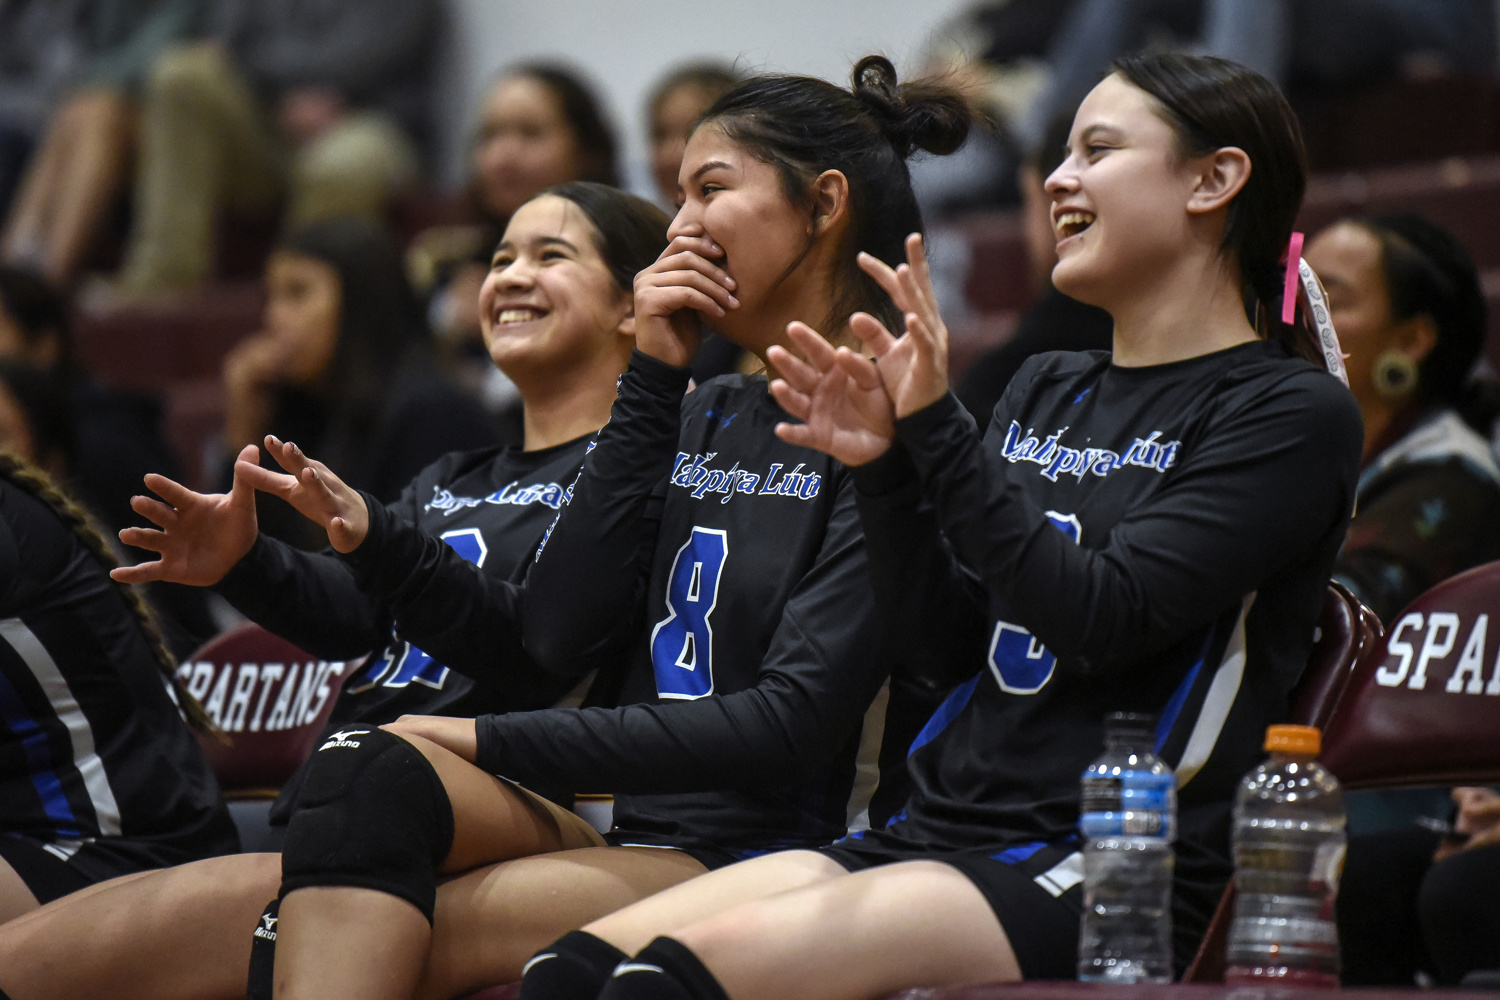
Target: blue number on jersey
{"x": 1022, "y": 665}
{"x": 414, "y": 666}
{"x": 682, "y": 643}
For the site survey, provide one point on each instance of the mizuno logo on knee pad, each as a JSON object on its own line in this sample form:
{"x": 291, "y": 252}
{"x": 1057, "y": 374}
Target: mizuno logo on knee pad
{"x": 267, "y": 930}
{"x": 343, "y": 740}
{"x": 624, "y": 968}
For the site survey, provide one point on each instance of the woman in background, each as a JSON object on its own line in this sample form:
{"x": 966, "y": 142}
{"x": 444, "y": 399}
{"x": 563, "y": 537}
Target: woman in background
{"x": 344, "y": 360}
{"x": 1406, "y": 301}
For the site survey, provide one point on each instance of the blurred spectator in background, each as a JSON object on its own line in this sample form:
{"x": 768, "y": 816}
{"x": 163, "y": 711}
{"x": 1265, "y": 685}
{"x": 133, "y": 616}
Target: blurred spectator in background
{"x": 36, "y": 422}
{"x": 99, "y": 441}
{"x": 676, "y": 102}
{"x": 1424, "y": 899}
{"x": 1054, "y": 322}
{"x": 117, "y": 435}
{"x": 344, "y": 368}
{"x": 317, "y": 105}
{"x": 1409, "y": 311}
{"x": 1298, "y": 43}
{"x": 41, "y": 47}
{"x": 76, "y": 178}
{"x": 538, "y": 125}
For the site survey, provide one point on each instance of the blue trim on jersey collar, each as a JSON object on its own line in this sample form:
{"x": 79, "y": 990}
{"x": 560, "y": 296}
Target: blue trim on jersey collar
{"x": 38, "y": 758}
{"x": 946, "y": 713}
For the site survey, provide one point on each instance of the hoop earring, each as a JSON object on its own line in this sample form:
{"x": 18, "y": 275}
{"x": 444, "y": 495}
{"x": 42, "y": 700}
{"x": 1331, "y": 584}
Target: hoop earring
{"x": 1394, "y": 375}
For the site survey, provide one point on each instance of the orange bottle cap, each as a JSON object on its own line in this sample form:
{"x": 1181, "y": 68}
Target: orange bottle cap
{"x": 1306, "y": 740}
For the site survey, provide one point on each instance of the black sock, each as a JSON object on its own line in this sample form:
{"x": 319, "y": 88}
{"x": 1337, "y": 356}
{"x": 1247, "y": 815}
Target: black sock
{"x": 574, "y": 967}
{"x": 263, "y": 953}
{"x": 664, "y": 970}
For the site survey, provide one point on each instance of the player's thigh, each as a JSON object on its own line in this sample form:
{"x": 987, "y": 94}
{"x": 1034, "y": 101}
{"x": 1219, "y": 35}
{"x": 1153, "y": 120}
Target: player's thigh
{"x": 494, "y": 820}
{"x": 857, "y": 937}
{"x": 180, "y": 932}
{"x": 491, "y": 920}
{"x": 633, "y": 927}
{"x": 16, "y": 898}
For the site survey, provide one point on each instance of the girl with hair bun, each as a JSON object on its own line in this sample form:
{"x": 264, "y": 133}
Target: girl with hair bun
{"x": 1147, "y": 530}
{"x": 713, "y": 573}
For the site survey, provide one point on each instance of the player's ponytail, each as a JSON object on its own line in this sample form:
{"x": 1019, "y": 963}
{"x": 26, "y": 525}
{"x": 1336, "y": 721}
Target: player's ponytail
{"x": 35, "y": 482}
{"x": 804, "y": 126}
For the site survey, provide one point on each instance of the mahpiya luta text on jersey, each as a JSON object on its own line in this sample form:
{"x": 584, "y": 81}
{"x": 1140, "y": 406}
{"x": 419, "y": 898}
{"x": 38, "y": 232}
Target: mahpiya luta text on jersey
{"x": 691, "y": 472}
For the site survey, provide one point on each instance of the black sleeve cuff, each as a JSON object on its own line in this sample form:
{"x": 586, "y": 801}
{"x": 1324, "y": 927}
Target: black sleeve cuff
{"x": 248, "y": 575}
{"x": 365, "y": 559}
{"x": 930, "y": 431}
{"x": 656, "y": 374}
{"x": 890, "y": 476}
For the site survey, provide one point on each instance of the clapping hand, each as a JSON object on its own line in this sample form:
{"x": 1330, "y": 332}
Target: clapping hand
{"x": 914, "y": 366}
{"x": 848, "y": 404}
{"x": 198, "y": 536}
{"x": 837, "y": 395}
{"x": 312, "y": 488}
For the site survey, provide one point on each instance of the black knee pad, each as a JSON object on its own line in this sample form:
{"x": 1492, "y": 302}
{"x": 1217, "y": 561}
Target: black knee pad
{"x": 574, "y": 967}
{"x": 664, "y": 970}
{"x": 372, "y": 814}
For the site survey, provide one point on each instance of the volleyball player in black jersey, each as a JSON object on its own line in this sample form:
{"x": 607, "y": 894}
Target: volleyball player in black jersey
{"x": 722, "y": 569}
{"x": 99, "y": 776}
{"x": 762, "y": 751}
{"x": 568, "y": 263}
{"x": 555, "y": 334}
{"x": 1148, "y": 531}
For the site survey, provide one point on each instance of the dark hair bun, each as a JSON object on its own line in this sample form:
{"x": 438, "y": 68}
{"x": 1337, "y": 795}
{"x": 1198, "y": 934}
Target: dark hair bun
{"x": 920, "y": 115}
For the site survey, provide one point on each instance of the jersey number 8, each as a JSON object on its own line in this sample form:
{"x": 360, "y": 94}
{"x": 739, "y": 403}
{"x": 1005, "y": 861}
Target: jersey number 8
{"x": 682, "y": 643}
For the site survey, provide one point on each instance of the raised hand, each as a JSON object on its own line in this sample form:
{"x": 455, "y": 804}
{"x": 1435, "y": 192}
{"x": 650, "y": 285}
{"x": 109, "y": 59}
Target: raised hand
{"x": 201, "y": 535}
{"x": 914, "y": 367}
{"x": 315, "y": 492}
{"x": 672, "y": 294}
{"x": 837, "y": 395}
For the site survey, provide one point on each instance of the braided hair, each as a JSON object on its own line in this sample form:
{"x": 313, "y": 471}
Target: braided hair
{"x": 33, "y": 481}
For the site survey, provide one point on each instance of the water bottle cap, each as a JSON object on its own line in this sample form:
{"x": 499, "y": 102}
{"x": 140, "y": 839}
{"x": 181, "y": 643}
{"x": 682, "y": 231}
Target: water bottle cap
{"x": 1306, "y": 740}
{"x": 1130, "y": 722}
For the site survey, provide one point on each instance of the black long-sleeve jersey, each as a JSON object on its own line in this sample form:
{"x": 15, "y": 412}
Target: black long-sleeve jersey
{"x": 96, "y": 764}
{"x": 489, "y": 506}
{"x": 1151, "y": 539}
{"x": 721, "y": 573}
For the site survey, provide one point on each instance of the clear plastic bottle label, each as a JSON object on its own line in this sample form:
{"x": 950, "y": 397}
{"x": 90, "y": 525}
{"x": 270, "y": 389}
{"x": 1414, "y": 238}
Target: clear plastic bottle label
{"x": 1142, "y": 805}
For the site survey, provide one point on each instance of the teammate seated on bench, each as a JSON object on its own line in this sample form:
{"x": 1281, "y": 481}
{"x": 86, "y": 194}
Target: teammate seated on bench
{"x": 99, "y": 776}
{"x": 1163, "y": 518}
{"x": 720, "y": 571}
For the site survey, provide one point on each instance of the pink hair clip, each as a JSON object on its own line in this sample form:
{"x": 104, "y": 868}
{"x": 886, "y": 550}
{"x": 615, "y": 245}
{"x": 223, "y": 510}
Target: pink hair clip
{"x": 1303, "y": 287}
{"x": 1289, "y": 287}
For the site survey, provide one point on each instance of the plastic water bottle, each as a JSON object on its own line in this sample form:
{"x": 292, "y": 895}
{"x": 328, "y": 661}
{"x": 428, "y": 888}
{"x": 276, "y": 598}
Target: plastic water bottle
{"x": 1288, "y": 855}
{"x": 1128, "y": 821}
